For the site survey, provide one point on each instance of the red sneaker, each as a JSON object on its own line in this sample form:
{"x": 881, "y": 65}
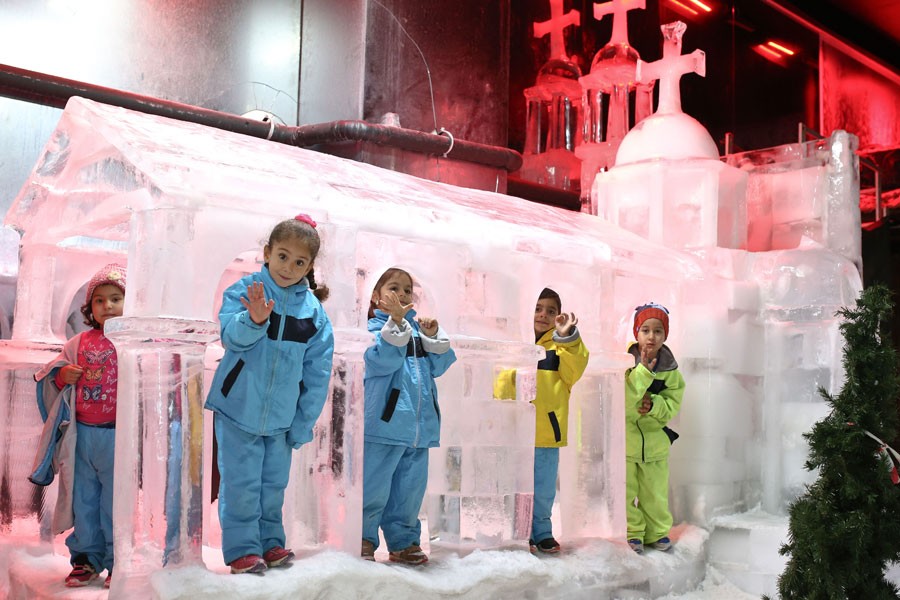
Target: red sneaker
{"x": 108, "y": 580}
{"x": 252, "y": 563}
{"x": 81, "y": 575}
{"x": 278, "y": 557}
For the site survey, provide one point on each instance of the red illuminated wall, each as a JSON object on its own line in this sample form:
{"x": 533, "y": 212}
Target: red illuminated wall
{"x": 857, "y": 99}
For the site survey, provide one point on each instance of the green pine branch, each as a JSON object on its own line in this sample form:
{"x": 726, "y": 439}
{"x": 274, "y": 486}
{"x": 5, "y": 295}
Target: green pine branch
{"x": 845, "y": 529}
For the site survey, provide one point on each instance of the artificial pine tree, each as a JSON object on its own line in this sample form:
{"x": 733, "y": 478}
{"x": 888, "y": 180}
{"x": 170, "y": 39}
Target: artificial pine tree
{"x": 846, "y": 528}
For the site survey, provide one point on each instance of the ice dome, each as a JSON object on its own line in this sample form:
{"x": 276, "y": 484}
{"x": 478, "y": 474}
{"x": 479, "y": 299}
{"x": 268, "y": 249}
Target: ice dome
{"x": 667, "y": 135}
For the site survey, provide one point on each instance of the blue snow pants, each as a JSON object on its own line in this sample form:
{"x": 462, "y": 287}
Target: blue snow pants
{"x": 254, "y": 473}
{"x": 394, "y": 480}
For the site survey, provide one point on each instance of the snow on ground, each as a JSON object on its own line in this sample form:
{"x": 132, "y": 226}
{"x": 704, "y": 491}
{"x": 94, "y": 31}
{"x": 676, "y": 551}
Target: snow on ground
{"x": 590, "y": 569}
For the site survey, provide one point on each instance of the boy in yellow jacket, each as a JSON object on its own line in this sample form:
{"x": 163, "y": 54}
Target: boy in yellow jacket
{"x": 565, "y": 362}
{"x": 653, "y": 392}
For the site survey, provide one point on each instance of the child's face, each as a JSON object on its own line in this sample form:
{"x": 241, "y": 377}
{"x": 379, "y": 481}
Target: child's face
{"x": 107, "y": 302}
{"x": 651, "y": 335}
{"x": 289, "y": 261}
{"x": 545, "y": 313}
{"x": 400, "y": 284}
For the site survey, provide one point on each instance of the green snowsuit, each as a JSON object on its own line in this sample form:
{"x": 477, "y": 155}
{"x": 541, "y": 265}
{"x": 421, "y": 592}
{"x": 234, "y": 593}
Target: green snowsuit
{"x": 647, "y": 445}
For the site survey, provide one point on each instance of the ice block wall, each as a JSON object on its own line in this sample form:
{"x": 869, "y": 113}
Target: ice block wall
{"x": 754, "y": 363}
{"x": 188, "y": 205}
{"x": 804, "y": 192}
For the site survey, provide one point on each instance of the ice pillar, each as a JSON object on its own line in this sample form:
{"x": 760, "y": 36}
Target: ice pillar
{"x": 158, "y": 504}
{"x": 323, "y": 503}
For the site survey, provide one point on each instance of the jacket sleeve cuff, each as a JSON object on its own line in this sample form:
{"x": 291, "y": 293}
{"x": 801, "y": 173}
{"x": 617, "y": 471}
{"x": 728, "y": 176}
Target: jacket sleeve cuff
{"x": 396, "y": 335}
{"x": 439, "y": 344}
{"x": 572, "y": 337}
{"x": 58, "y": 380}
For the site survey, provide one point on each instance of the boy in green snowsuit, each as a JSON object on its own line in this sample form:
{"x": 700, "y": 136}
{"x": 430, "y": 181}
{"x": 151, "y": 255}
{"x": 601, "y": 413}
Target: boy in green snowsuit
{"x": 653, "y": 392}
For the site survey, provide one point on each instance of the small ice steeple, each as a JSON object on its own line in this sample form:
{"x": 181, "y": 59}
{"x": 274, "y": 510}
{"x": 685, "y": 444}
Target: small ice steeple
{"x": 606, "y": 93}
{"x": 669, "y": 133}
{"x": 548, "y": 156}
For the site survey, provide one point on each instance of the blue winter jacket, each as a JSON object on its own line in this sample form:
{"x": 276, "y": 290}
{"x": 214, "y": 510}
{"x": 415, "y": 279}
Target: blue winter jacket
{"x": 273, "y": 377}
{"x": 401, "y": 396}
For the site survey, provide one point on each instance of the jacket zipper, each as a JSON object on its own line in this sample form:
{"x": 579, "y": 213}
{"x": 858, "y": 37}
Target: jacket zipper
{"x": 418, "y": 391}
{"x": 641, "y": 431}
{"x": 266, "y": 404}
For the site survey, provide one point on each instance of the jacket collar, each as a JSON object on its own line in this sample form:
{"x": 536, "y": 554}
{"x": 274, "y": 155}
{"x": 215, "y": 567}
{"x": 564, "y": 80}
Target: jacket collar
{"x": 665, "y": 360}
{"x": 297, "y": 288}
{"x": 545, "y": 337}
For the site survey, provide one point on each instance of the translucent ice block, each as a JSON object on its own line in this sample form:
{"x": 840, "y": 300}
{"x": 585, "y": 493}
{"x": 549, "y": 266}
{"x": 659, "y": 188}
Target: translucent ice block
{"x": 689, "y": 203}
{"x": 808, "y": 190}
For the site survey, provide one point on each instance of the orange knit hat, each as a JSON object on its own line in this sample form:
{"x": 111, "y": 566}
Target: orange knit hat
{"x": 651, "y": 310}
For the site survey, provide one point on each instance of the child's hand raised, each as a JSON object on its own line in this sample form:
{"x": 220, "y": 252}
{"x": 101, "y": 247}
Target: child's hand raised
{"x": 565, "y": 322}
{"x": 70, "y": 373}
{"x": 429, "y": 326}
{"x": 256, "y": 303}
{"x": 390, "y": 303}
{"x": 648, "y": 358}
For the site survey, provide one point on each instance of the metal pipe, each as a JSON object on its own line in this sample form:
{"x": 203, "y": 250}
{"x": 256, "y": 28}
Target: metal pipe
{"x": 49, "y": 90}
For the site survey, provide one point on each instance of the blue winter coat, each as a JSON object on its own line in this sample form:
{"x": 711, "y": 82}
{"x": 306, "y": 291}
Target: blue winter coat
{"x": 56, "y": 447}
{"x": 273, "y": 377}
{"x": 401, "y": 396}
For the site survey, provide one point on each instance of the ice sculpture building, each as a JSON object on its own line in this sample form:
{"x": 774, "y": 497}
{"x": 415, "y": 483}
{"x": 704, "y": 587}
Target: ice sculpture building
{"x": 189, "y": 207}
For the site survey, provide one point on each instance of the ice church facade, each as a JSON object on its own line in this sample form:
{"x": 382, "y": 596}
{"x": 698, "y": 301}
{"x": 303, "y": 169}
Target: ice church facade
{"x": 753, "y": 255}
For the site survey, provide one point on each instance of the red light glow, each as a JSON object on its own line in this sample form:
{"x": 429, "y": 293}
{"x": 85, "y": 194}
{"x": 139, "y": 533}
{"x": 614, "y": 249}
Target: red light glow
{"x": 701, "y": 5}
{"x": 780, "y": 48}
{"x": 769, "y": 54}
{"x": 684, "y": 8}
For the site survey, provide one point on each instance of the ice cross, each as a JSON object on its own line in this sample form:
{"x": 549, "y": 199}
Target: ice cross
{"x": 555, "y": 27}
{"x": 669, "y": 69}
{"x": 619, "y": 10}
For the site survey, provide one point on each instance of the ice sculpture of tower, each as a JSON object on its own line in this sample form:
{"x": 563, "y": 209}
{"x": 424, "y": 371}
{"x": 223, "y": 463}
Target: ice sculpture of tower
{"x": 605, "y": 99}
{"x": 668, "y": 184}
{"x": 553, "y": 109}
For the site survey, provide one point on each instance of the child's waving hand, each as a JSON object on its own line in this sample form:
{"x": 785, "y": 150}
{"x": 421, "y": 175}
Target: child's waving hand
{"x": 256, "y": 303}
{"x": 390, "y": 303}
{"x": 565, "y": 322}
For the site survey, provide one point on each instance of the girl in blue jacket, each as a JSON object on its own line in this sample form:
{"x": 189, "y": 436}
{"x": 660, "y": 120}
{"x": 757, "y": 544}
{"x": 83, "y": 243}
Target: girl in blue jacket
{"x": 268, "y": 391}
{"x": 403, "y": 419}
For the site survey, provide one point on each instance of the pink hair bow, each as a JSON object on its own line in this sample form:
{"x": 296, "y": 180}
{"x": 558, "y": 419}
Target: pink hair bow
{"x": 304, "y": 218}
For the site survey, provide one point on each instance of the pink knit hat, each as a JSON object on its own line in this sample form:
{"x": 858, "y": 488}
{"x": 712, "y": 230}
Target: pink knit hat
{"x": 651, "y": 310}
{"x": 111, "y": 274}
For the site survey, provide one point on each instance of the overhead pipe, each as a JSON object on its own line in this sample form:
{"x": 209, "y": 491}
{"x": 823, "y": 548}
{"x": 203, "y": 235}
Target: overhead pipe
{"x": 49, "y": 90}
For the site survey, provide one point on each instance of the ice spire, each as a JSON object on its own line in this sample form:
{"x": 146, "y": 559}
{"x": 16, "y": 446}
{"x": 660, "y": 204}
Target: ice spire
{"x": 669, "y": 132}
{"x": 619, "y": 10}
{"x": 555, "y": 26}
{"x": 606, "y": 96}
{"x": 553, "y": 115}
{"x": 669, "y": 69}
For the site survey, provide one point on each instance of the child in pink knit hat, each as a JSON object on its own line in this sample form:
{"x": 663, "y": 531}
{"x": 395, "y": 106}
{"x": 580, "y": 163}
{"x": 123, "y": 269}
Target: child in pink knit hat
{"x": 82, "y": 381}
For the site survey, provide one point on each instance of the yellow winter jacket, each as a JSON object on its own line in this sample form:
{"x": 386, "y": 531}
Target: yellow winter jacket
{"x": 563, "y": 365}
